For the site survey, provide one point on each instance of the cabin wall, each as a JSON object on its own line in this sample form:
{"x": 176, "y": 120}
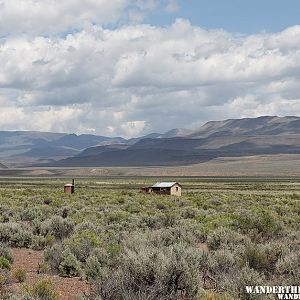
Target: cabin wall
{"x": 176, "y": 190}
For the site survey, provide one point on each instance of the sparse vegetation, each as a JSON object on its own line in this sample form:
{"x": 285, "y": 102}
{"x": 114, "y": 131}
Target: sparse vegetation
{"x": 208, "y": 244}
{"x": 42, "y": 290}
{"x": 19, "y": 275}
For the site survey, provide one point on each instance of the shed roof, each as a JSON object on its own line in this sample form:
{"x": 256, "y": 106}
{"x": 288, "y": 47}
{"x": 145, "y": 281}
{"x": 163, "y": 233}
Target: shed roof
{"x": 69, "y": 184}
{"x": 164, "y": 184}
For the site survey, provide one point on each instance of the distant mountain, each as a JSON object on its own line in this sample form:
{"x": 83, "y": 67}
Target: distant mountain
{"x": 33, "y": 145}
{"x": 177, "y": 132}
{"x": 2, "y": 166}
{"x": 230, "y": 138}
{"x": 49, "y": 151}
{"x": 84, "y": 141}
{"x": 92, "y": 151}
{"x": 266, "y": 125}
{"x": 235, "y": 137}
{"x": 148, "y": 136}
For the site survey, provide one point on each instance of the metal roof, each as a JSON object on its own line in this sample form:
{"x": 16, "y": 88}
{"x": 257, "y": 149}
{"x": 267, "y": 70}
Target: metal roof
{"x": 69, "y": 184}
{"x": 164, "y": 184}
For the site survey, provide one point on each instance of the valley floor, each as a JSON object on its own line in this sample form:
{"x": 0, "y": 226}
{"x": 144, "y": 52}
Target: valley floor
{"x": 264, "y": 165}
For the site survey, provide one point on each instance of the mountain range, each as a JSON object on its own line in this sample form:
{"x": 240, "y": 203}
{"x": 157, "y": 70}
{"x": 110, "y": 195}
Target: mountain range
{"x": 267, "y": 135}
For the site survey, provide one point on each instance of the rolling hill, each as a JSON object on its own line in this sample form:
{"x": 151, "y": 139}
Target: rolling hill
{"x": 231, "y": 138}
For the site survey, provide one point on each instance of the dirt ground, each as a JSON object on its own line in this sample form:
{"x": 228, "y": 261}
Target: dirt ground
{"x": 68, "y": 288}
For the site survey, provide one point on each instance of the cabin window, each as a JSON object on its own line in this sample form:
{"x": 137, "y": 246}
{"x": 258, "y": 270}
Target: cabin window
{"x": 176, "y": 188}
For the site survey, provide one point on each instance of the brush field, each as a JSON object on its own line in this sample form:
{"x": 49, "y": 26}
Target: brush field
{"x": 119, "y": 244}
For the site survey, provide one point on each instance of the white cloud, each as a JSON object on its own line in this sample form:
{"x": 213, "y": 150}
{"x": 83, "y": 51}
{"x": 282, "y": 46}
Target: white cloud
{"x": 54, "y": 16}
{"x": 135, "y": 79}
{"x": 47, "y": 17}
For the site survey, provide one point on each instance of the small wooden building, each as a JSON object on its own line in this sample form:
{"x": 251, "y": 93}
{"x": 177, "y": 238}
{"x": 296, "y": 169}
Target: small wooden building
{"x": 70, "y": 187}
{"x": 164, "y": 188}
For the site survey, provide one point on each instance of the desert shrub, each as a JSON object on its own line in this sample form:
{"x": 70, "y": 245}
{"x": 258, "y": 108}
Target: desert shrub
{"x": 152, "y": 273}
{"x": 179, "y": 234}
{"x": 43, "y": 268}
{"x": 262, "y": 257}
{"x": 15, "y": 234}
{"x": 40, "y": 242}
{"x": 29, "y": 214}
{"x": 57, "y": 226}
{"x": 93, "y": 268}
{"x": 82, "y": 243}
{"x": 6, "y": 213}
{"x": 19, "y": 275}
{"x": 222, "y": 261}
{"x": 42, "y": 290}
{"x": 5, "y": 252}
{"x": 4, "y": 284}
{"x": 289, "y": 266}
{"x": 159, "y": 220}
{"x": 69, "y": 266}
{"x": 262, "y": 222}
{"x": 86, "y": 225}
{"x": 47, "y": 201}
{"x": 244, "y": 277}
{"x": 4, "y": 263}
{"x": 225, "y": 238}
{"x": 189, "y": 212}
{"x": 103, "y": 256}
{"x": 53, "y": 256}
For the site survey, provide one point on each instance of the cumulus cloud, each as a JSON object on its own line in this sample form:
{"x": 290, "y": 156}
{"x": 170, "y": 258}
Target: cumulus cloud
{"x": 53, "y": 16}
{"x": 135, "y": 79}
{"x": 46, "y": 17}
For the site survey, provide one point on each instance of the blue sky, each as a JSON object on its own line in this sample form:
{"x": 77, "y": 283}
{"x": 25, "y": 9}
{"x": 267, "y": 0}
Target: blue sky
{"x": 101, "y": 67}
{"x": 245, "y": 16}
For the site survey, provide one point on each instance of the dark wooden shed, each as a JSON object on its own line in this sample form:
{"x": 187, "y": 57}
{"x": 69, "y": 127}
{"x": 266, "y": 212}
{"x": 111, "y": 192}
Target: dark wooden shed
{"x": 69, "y": 188}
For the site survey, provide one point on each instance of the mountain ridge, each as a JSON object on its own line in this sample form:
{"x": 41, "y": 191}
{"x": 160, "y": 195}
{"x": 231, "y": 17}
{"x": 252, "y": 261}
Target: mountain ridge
{"x": 266, "y": 135}
{"x": 231, "y": 137}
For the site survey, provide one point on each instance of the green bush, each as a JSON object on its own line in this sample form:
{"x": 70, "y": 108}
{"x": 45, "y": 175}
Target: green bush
{"x": 261, "y": 222}
{"x": 262, "y": 258}
{"x": 93, "y": 268}
{"x": 82, "y": 243}
{"x": 19, "y": 275}
{"x": 40, "y": 242}
{"x": 42, "y": 290}
{"x": 57, "y": 226}
{"x": 29, "y": 214}
{"x": 152, "y": 273}
{"x": 4, "y": 263}
{"x": 53, "y": 256}
{"x": 69, "y": 266}
{"x": 225, "y": 238}
{"x": 5, "y": 252}
{"x": 15, "y": 234}
{"x": 289, "y": 267}
{"x": 247, "y": 277}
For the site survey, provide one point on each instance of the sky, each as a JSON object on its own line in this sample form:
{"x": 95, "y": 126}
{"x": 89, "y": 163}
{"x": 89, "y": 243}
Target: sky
{"x": 131, "y": 67}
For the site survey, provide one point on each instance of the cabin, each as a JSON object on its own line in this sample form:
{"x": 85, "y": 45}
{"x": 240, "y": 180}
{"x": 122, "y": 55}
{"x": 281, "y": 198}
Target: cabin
{"x": 164, "y": 188}
{"x": 69, "y": 188}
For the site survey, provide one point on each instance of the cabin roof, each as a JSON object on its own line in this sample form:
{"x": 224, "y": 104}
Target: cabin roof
{"x": 164, "y": 184}
{"x": 69, "y": 184}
